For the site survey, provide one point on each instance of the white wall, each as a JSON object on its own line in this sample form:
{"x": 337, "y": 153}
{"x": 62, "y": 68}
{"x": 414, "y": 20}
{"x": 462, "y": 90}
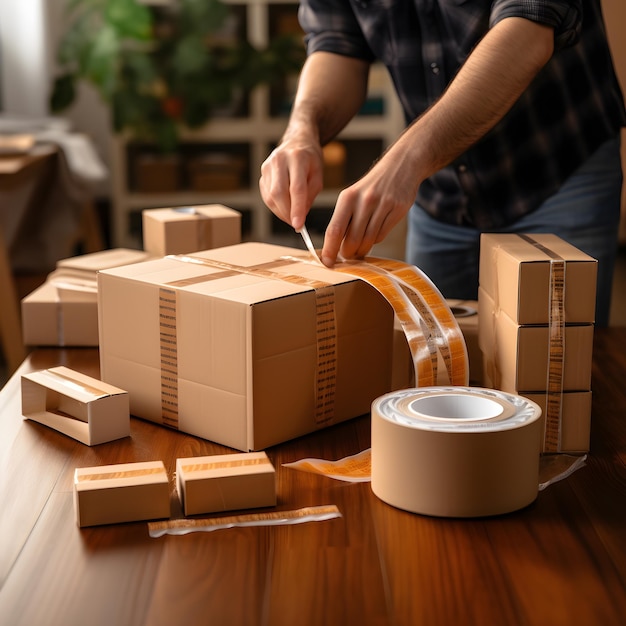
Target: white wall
{"x": 24, "y": 43}
{"x": 29, "y": 35}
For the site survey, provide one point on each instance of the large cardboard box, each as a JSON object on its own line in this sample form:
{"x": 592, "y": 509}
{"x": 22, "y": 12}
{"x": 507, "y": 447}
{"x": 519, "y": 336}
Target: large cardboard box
{"x": 245, "y": 345}
{"x": 515, "y": 272}
{"x": 76, "y": 405}
{"x": 225, "y": 482}
{"x": 126, "y": 492}
{"x": 516, "y": 357}
{"x": 189, "y": 229}
{"x": 63, "y": 311}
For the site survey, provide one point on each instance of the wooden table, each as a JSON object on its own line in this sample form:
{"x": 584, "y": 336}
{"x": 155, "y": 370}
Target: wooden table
{"x": 23, "y": 180}
{"x": 27, "y": 182}
{"x": 560, "y": 561}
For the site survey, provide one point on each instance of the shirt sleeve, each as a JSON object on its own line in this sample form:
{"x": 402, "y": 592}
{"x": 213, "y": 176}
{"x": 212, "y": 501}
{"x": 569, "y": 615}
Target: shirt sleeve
{"x": 565, "y": 16}
{"x": 331, "y": 26}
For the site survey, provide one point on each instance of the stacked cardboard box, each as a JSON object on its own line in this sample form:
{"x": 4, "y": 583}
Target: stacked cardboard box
{"x": 64, "y": 310}
{"x": 536, "y": 314}
{"x": 244, "y": 345}
{"x": 183, "y": 230}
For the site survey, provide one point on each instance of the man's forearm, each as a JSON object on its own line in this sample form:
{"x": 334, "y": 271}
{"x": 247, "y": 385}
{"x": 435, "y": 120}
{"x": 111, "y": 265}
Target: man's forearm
{"x": 330, "y": 92}
{"x": 494, "y": 76}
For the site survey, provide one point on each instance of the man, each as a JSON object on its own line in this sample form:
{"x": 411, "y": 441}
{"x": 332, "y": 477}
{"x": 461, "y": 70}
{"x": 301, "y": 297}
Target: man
{"x": 513, "y": 113}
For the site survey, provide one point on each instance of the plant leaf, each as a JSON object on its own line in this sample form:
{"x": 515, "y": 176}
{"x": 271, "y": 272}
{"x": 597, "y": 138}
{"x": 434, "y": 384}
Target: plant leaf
{"x": 129, "y": 18}
{"x": 63, "y": 93}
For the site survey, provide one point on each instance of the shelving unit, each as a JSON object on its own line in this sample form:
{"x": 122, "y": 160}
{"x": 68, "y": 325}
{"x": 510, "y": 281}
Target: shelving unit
{"x": 251, "y": 136}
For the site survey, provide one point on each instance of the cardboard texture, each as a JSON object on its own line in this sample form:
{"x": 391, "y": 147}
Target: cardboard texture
{"x": 402, "y": 368}
{"x": 63, "y": 311}
{"x": 516, "y": 274}
{"x": 225, "y": 482}
{"x": 516, "y": 357}
{"x": 515, "y": 320}
{"x": 189, "y": 229}
{"x": 88, "y": 264}
{"x": 76, "y": 405}
{"x": 57, "y": 317}
{"x": 575, "y": 419}
{"x": 128, "y": 492}
{"x": 246, "y": 358}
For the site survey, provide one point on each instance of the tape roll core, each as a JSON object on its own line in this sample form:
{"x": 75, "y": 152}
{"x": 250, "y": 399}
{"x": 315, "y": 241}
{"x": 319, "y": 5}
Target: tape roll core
{"x": 456, "y": 407}
{"x": 455, "y": 451}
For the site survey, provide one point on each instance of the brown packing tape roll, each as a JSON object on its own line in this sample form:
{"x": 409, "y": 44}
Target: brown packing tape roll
{"x": 455, "y": 451}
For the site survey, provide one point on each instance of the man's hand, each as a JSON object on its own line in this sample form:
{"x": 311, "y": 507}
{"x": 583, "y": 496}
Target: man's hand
{"x": 291, "y": 178}
{"x": 499, "y": 69}
{"x": 367, "y": 211}
{"x": 330, "y": 92}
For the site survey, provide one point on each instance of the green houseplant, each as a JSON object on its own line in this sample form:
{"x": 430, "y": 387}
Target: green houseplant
{"x": 163, "y": 68}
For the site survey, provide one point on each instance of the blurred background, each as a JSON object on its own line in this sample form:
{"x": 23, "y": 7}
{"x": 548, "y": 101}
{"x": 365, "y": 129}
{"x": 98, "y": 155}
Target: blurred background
{"x": 201, "y": 99}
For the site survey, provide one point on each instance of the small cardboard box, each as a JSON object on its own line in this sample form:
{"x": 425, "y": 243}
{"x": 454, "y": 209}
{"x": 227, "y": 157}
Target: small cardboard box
{"x": 516, "y": 357}
{"x": 76, "y": 405}
{"x": 189, "y": 229}
{"x": 515, "y": 273}
{"x": 245, "y": 345}
{"x": 63, "y": 311}
{"x": 575, "y": 418}
{"x": 86, "y": 265}
{"x": 57, "y": 316}
{"x": 226, "y": 482}
{"x": 128, "y": 492}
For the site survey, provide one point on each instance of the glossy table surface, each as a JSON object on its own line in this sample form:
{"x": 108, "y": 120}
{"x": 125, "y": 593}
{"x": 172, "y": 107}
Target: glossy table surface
{"x": 561, "y": 560}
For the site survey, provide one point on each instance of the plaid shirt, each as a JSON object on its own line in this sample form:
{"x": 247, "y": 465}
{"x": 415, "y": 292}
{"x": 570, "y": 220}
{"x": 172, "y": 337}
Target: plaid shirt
{"x": 572, "y": 106}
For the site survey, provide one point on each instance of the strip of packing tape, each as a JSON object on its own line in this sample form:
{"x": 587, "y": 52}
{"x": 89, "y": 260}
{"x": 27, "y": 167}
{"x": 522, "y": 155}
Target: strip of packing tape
{"x": 556, "y": 348}
{"x": 455, "y": 451}
{"x": 430, "y": 327}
